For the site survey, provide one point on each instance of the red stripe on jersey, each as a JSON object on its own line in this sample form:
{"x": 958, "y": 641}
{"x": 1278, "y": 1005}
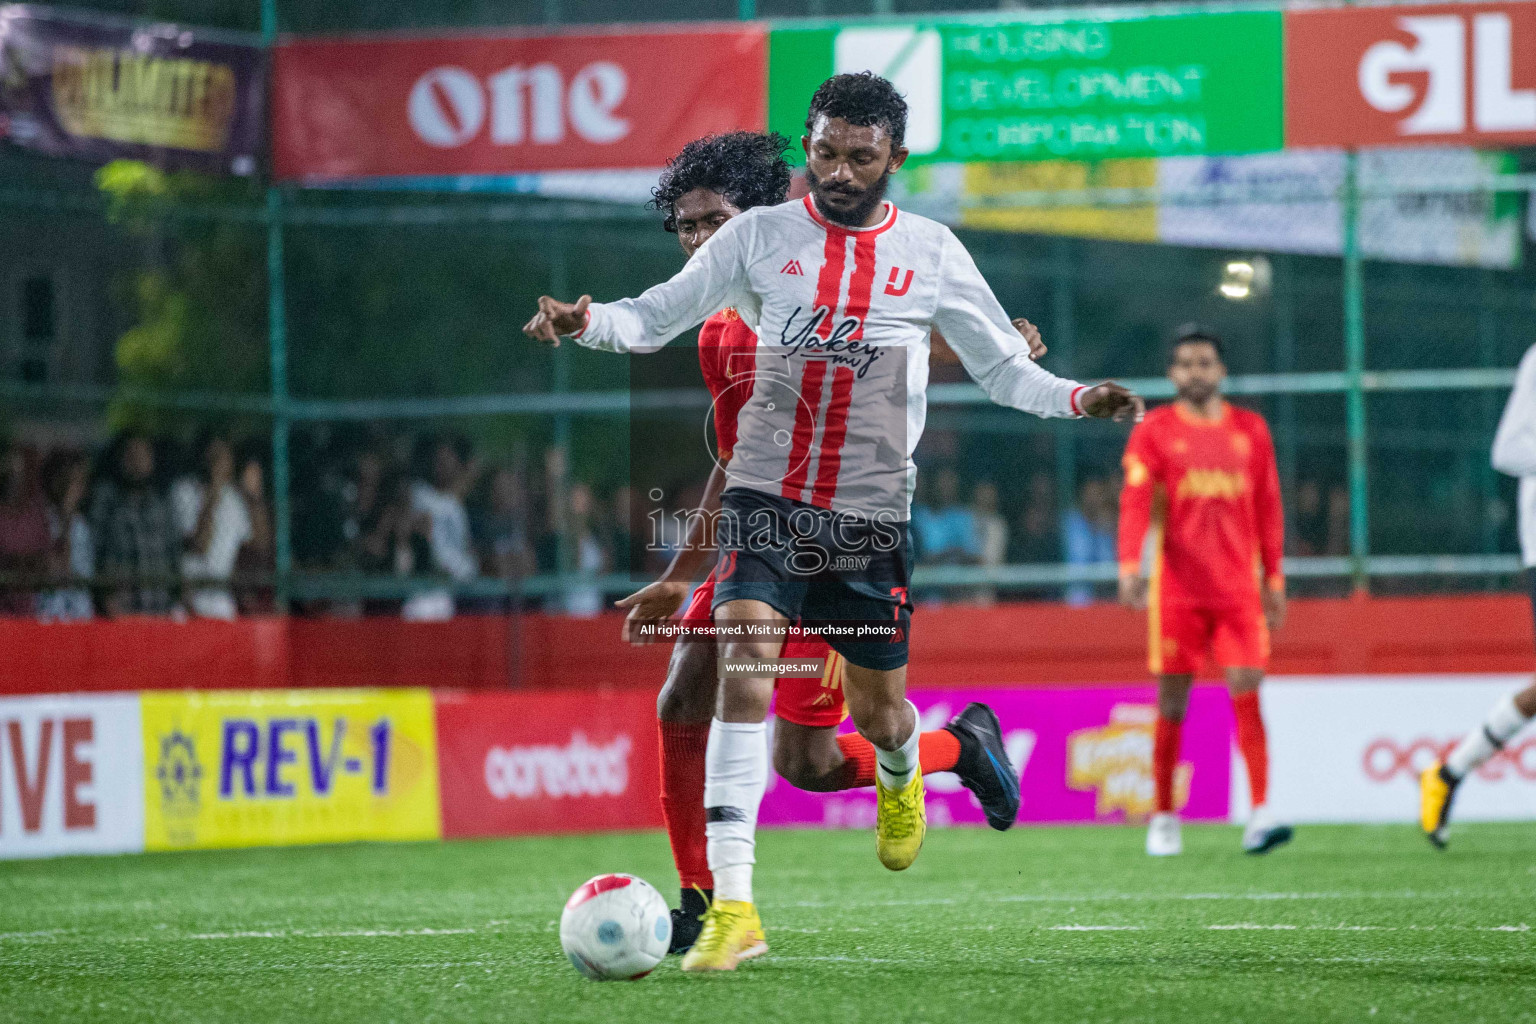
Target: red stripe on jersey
{"x": 832, "y": 435}
{"x": 829, "y": 283}
{"x": 862, "y": 282}
{"x": 805, "y": 427}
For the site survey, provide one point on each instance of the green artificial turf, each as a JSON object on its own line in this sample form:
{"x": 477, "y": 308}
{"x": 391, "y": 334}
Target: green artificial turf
{"x": 1071, "y": 924}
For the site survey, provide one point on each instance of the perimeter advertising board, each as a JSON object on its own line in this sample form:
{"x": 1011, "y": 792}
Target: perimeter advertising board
{"x": 1084, "y": 89}
{"x": 1411, "y": 74}
{"x": 1350, "y": 749}
{"x": 70, "y": 776}
{"x": 492, "y": 105}
{"x": 279, "y": 767}
{"x": 79, "y": 84}
{"x": 521, "y": 763}
{"x": 1083, "y": 755}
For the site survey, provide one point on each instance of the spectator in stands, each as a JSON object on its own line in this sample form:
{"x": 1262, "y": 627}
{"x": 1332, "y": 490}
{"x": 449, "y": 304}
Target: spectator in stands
{"x": 1337, "y": 542}
{"x": 570, "y": 545}
{"x": 66, "y": 481}
{"x": 445, "y": 471}
{"x": 1088, "y": 532}
{"x": 136, "y": 544}
{"x": 376, "y": 524}
{"x": 25, "y": 542}
{"x": 587, "y": 552}
{"x": 991, "y": 534}
{"x": 214, "y": 523}
{"x": 1308, "y": 532}
{"x": 255, "y": 557}
{"x": 1037, "y": 536}
{"x": 501, "y": 527}
{"x": 946, "y": 530}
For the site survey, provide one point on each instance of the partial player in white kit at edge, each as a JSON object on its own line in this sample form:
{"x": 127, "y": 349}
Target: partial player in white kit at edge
{"x": 1514, "y": 453}
{"x": 843, "y": 290}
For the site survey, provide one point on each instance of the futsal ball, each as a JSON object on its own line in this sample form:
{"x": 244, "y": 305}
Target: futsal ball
{"x": 615, "y": 928}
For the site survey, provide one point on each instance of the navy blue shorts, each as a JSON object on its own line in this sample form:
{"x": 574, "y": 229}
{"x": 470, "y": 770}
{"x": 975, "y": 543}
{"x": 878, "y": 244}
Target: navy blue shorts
{"x": 846, "y": 577}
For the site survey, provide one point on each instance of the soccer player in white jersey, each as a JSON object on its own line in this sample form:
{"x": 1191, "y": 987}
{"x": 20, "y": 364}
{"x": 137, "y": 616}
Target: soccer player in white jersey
{"x": 1514, "y": 453}
{"x": 843, "y": 290}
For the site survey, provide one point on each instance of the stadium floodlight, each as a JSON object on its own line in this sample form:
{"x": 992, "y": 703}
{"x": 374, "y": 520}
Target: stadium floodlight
{"x": 1242, "y": 279}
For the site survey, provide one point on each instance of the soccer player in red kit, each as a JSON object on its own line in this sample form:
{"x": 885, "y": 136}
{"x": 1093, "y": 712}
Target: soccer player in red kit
{"x": 710, "y": 181}
{"x": 1200, "y": 480}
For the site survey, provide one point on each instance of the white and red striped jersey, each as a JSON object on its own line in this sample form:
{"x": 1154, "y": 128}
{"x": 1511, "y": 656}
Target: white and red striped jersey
{"x": 843, "y": 317}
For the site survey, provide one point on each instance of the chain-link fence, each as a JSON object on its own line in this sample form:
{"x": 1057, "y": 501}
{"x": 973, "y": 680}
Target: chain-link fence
{"x": 349, "y": 366}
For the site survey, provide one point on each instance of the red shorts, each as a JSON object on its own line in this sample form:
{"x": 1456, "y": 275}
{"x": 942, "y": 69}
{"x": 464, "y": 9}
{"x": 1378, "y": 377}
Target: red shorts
{"x": 815, "y": 703}
{"x": 1180, "y": 638}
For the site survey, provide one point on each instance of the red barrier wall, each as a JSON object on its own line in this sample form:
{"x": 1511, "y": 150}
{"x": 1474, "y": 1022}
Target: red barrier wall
{"x": 955, "y": 645}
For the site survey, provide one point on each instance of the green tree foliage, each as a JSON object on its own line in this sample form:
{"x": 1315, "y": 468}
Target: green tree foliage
{"x": 197, "y": 297}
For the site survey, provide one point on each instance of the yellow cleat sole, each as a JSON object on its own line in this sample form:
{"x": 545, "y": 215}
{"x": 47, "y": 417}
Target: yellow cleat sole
{"x": 729, "y": 963}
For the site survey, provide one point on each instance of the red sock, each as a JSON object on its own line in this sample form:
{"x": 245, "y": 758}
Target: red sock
{"x": 682, "y": 799}
{"x": 1165, "y": 757}
{"x": 937, "y": 751}
{"x": 1252, "y": 743}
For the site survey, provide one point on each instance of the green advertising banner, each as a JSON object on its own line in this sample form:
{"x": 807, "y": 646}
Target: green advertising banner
{"x": 1165, "y": 85}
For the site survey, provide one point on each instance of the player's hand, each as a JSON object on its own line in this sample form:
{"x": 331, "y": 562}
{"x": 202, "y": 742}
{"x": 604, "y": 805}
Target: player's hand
{"x": 1133, "y": 592}
{"x": 555, "y": 318}
{"x": 652, "y": 604}
{"x": 1274, "y": 607}
{"x": 1111, "y": 401}
{"x": 1031, "y": 337}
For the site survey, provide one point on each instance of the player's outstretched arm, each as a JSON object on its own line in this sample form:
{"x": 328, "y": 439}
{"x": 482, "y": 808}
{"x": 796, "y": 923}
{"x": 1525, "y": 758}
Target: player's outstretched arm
{"x": 715, "y": 277}
{"x": 1111, "y": 401}
{"x": 1000, "y": 353}
{"x": 555, "y": 318}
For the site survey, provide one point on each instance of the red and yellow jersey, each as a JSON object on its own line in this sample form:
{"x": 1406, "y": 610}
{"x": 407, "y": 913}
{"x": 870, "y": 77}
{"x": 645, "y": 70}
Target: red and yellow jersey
{"x": 727, "y": 344}
{"x": 1217, "y": 493}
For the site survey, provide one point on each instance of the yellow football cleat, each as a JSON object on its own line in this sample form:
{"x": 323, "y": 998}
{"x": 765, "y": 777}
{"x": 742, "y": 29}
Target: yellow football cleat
{"x": 901, "y": 823}
{"x": 732, "y": 933}
{"x": 1435, "y": 792}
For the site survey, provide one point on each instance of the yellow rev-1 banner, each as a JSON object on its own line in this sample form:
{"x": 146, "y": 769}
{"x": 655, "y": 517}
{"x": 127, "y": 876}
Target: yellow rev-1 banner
{"x": 265, "y": 767}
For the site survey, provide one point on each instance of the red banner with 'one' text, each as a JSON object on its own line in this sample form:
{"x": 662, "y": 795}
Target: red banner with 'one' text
{"x": 496, "y": 105}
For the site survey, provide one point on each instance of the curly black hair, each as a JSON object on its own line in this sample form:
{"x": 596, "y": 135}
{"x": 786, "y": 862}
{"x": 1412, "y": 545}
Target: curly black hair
{"x": 862, "y": 99}
{"x": 747, "y": 168}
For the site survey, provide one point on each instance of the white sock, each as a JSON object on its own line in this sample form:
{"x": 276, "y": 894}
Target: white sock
{"x": 1479, "y": 745}
{"x": 735, "y": 775}
{"x": 895, "y": 768}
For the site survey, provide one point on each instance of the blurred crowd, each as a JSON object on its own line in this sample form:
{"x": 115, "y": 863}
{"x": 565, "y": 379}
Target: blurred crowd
{"x": 956, "y": 524}
{"x": 153, "y": 527}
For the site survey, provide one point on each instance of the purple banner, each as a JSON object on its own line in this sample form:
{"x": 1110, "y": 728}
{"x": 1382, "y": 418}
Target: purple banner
{"x": 1085, "y": 755}
{"x": 99, "y": 88}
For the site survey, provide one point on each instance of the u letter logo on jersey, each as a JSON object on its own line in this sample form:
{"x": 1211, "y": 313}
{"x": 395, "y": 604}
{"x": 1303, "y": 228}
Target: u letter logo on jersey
{"x": 899, "y": 281}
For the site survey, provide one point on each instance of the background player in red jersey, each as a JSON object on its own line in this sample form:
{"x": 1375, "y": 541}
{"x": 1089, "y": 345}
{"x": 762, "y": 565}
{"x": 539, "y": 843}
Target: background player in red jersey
{"x": 1200, "y": 478}
{"x": 710, "y": 181}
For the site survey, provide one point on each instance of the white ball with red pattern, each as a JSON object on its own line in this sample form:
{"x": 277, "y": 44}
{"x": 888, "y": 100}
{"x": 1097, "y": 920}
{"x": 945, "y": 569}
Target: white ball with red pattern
{"x": 615, "y": 928}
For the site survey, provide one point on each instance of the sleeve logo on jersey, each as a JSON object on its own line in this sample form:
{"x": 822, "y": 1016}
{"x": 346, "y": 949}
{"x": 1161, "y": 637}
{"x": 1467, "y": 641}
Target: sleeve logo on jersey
{"x": 1136, "y": 472}
{"x": 1212, "y": 483}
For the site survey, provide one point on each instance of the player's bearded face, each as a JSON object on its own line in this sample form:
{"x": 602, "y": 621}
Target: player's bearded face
{"x": 848, "y": 168}
{"x": 1197, "y": 372}
{"x": 845, "y": 203}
